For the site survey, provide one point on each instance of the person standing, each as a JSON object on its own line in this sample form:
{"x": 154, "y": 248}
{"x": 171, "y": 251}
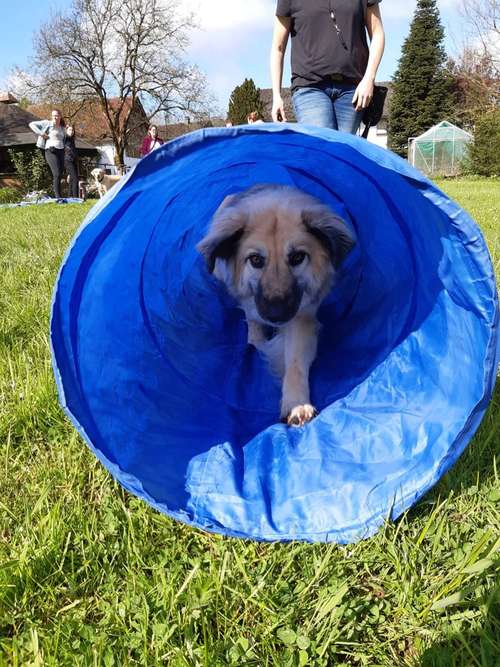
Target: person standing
{"x": 254, "y": 117}
{"x": 333, "y": 69}
{"x": 70, "y": 160}
{"x": 151, "y": 141}
{"x": 53, "y": 133}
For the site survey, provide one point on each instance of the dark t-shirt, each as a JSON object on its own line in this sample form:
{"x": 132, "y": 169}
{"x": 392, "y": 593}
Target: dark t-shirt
{"x": 69, "y": 149}
{"x": 317, "y": 49}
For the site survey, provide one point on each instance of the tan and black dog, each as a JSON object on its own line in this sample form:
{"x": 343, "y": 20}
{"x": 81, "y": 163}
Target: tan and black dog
{"x": 277, "y": 250}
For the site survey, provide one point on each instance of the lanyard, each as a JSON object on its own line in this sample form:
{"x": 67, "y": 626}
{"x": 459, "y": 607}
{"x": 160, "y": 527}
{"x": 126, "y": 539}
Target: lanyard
{"x": 336, "y": 25}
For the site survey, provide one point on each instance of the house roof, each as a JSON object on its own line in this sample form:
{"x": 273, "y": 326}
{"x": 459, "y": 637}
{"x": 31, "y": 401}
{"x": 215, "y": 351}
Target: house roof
{"x": 173, "y": 130}
{"x": 387, "y": 106}
{"x": 266, "y": 95}
{"x": 7, "y": 98}
{"x": 444, "y": 131}
{"x": 14, "y": 130}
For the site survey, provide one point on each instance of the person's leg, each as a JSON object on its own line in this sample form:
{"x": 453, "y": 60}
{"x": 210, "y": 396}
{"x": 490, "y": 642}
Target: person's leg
{"x": 60, "y": 164}
{"x": 348, "y": 119}
{"x": 73, "y": 178}
{"x": 54, "y": 164}
{"x": 76, "y": 178}
{"x": 313, "y": 106}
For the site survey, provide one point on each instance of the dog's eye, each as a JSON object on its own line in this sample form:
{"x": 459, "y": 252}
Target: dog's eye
{"x": 257, "y": 261}
{"x": 296, "y": 258}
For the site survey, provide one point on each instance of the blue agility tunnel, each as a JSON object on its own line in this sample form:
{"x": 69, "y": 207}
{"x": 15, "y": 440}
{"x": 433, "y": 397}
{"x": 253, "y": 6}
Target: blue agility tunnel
{"x": 153, "y": 367}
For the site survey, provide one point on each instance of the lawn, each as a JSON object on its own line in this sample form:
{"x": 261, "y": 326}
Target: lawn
{"x": 89, "y": 575}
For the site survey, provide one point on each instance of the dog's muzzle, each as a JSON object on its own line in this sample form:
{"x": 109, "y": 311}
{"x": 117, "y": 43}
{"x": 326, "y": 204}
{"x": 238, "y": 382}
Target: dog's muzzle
{"x": 281, "y": 309}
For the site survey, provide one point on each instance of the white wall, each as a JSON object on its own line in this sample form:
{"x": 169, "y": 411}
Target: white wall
{"x": 107, "y": 157}
{"x": 378, "y": 137}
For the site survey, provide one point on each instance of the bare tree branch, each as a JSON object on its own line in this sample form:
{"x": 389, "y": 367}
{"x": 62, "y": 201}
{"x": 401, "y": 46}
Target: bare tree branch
{"x": 120, "y": 52}
{"x": 476, "y": 69}
{"x": 483, "y": 20}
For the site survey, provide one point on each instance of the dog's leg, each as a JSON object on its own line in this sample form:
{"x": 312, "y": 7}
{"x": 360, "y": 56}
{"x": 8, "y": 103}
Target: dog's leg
{"x": 300, "y": 345}
{"x": 255, "y": 334}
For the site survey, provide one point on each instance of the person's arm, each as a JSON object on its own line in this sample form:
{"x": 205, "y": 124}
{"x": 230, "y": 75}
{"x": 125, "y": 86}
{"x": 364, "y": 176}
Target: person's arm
{"x": 364, "y": 91}
{"x": 280, "y": 40}
{"x": 39, "y": 127}
{"x": 144, "y": 147}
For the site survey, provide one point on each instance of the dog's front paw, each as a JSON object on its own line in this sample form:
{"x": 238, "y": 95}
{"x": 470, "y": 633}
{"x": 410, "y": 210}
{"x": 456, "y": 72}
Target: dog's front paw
{"x": 301, "y": 414}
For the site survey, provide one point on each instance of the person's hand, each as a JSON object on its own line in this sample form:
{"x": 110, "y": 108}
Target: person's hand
{"x": 278, "y": 110}
{"x": 45, "y": 136}
{"x": 363, "y": 95}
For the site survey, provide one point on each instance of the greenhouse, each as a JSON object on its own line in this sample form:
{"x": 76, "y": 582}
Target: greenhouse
{"x": 439, "y": 151}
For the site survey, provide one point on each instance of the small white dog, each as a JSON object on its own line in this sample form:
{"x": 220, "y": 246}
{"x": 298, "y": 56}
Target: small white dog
{"x": 103, "y": 181}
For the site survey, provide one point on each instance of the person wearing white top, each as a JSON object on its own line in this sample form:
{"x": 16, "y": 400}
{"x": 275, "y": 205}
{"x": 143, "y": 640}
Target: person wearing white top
{"x": 51, "y": 134}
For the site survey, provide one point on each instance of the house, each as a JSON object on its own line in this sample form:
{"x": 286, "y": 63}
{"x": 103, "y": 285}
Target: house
{"x": 91, "y": 124}
{"x": 376, "y": 135}
{"x": 174, "y": 130}
{"x": 15, "y": 134}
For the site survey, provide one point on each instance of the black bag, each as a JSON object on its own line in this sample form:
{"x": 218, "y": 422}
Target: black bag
{"x": 373, "y": 112}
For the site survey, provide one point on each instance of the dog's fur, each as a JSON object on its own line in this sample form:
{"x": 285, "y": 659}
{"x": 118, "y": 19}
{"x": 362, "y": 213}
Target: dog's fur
{"x": 103, "y": 181}
{"x": 277, "y": 250}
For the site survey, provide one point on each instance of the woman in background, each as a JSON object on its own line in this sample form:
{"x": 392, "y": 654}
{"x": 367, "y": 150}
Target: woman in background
{"x": 151, "y": 141}
{"x": 333, "y": 69}
{"x": 52, "y": 132}
{"x": 254, "y": 117}
{"x": 70, "y": 160}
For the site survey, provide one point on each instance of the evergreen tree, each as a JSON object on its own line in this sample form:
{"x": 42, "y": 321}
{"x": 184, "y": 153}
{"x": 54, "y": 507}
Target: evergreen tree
{"x": 423, "y": 87}
{"x": 244, "y": 99}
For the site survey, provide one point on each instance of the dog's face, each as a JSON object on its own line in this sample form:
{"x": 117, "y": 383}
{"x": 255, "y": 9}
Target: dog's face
{"x": 97, "y": 174}
{"x": 277, "y": 249}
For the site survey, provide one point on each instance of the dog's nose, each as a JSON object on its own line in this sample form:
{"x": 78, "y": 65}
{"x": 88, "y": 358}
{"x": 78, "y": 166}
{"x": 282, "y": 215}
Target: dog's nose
{"x": 278, "y": 310}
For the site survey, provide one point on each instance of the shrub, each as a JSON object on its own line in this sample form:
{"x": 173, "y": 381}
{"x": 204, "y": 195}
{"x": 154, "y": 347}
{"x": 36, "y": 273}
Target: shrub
{"x": 32, "y": 169}
{"x": 484, "y": 153}
{"x": 9, "y": 195}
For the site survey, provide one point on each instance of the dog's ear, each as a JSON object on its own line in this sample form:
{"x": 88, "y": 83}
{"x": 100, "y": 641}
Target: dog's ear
{"x": 228, "y": 225}
{"x": 331, "y": 231}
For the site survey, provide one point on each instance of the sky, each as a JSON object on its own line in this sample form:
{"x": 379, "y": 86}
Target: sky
{"x": 233, "y": 39}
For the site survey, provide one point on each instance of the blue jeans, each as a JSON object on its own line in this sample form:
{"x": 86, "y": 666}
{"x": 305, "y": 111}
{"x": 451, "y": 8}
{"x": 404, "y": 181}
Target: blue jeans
{"x": 327, "y": 105}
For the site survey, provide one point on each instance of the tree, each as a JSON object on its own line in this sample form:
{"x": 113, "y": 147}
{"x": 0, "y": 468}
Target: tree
{"x": 484, "y": 154}
{"x": 476, "y": 85}
{"x": 423, "y": 88}
{"x": 476, "y": 69}
{"x": 128, "y": 50}
{"x": 244, "y": 99}
{"x": 483, "y": 20}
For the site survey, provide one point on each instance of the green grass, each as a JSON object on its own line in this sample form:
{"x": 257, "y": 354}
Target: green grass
{"x": 89, "y": 575}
